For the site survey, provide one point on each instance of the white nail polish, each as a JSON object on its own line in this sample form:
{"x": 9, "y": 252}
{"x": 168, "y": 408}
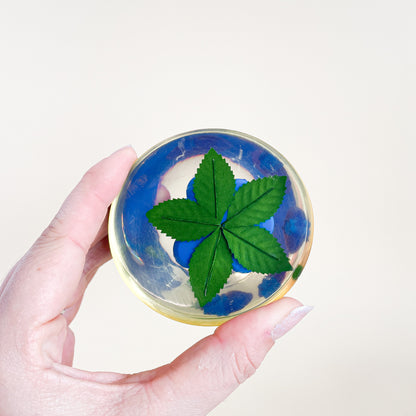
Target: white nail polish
{"x": 289, "y": 321}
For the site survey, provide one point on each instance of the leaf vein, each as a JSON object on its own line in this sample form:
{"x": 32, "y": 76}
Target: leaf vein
{"x": 174, "y": 219}
{"x": 212, "y": 261}
{"x": 215, "y": 188}
{"x": 252, "y": 245}
{"x": 251, "y": 203}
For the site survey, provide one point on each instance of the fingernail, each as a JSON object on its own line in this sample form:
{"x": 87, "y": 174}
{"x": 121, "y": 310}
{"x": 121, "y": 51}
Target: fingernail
{"x": 129, "y": 146}
{"x": 289, "y": 321}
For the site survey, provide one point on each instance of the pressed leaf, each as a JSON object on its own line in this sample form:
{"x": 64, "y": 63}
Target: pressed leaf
{"x": 214, "y": 184}
{"x": 182, "y": 219}
{"x": 210, "y": 267}
{"x": 257, "y": 250}
{"x": 256, "y": 201}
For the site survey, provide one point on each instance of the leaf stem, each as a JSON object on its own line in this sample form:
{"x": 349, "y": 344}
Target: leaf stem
{"x": 212, "y": 261}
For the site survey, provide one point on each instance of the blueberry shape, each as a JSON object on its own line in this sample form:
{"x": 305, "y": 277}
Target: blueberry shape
{"x": 270, "y": 284}
{"x": 296, "y": 228}
{"x": 190, "y": 190}
{"x": 223, "y": 305}
{"x": 183, "y": 250}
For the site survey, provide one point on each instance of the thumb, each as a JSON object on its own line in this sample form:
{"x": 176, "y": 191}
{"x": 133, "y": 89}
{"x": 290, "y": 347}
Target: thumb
{"x": 203, "y": 376}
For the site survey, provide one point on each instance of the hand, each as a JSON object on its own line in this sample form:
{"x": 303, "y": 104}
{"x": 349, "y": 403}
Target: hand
{"x": 41, "y": 296}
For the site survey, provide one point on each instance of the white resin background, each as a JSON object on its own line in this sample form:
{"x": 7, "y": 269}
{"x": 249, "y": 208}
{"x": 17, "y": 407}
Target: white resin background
{"x": 330, "y": 85}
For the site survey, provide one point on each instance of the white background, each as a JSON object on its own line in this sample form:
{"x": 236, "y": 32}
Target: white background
{"x": 330, "y": 84}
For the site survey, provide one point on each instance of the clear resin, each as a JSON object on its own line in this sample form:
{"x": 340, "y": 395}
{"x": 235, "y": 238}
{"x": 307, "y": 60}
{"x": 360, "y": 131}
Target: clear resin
{"x": 155, "y": 266}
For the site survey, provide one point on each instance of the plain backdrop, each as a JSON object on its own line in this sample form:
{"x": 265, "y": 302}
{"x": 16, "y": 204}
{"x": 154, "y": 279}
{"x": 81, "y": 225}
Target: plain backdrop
{"x": 330, "y": 84}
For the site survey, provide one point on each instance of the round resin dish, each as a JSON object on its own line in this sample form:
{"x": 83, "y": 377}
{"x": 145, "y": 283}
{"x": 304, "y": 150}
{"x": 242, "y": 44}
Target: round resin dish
{"x": 156, "y": 267}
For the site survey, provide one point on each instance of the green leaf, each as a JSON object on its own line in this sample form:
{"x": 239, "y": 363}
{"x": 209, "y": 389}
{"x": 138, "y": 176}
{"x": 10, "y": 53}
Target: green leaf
{"x": 182, "y": 219}
{"x": 210, "y": 267}
{"x": 214, "y": 184}
{"x": 256, "y": 201}
{"x": 257, "y": 250}
{"x": 297, "y": 272}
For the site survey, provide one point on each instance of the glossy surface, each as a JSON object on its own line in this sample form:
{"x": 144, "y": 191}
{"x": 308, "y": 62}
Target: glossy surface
{"x": 155, "y": 266}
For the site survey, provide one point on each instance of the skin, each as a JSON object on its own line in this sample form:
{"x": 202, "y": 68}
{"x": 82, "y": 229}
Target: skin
{"x": 42, "y": 293}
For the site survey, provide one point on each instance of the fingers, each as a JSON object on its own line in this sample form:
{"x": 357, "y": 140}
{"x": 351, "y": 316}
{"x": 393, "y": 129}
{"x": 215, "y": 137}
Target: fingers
{"x": 208, "y": 372}
{"x": 103, "y": 231}
{"x": 47, "y": 279}
{"x": 96, "y": 257}
{"x": 204, "y": 375}
{"x": 68, "y": 348}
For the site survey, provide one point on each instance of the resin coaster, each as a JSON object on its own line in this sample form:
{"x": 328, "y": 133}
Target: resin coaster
{"x": 210, "y": 224}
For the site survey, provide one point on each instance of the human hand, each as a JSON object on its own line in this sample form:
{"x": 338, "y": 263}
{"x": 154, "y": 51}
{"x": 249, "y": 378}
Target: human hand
{"x": 42, "y": 293}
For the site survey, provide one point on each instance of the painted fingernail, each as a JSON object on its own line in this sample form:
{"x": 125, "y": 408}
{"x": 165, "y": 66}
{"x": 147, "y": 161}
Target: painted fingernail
{"x": 289, "y": 321}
